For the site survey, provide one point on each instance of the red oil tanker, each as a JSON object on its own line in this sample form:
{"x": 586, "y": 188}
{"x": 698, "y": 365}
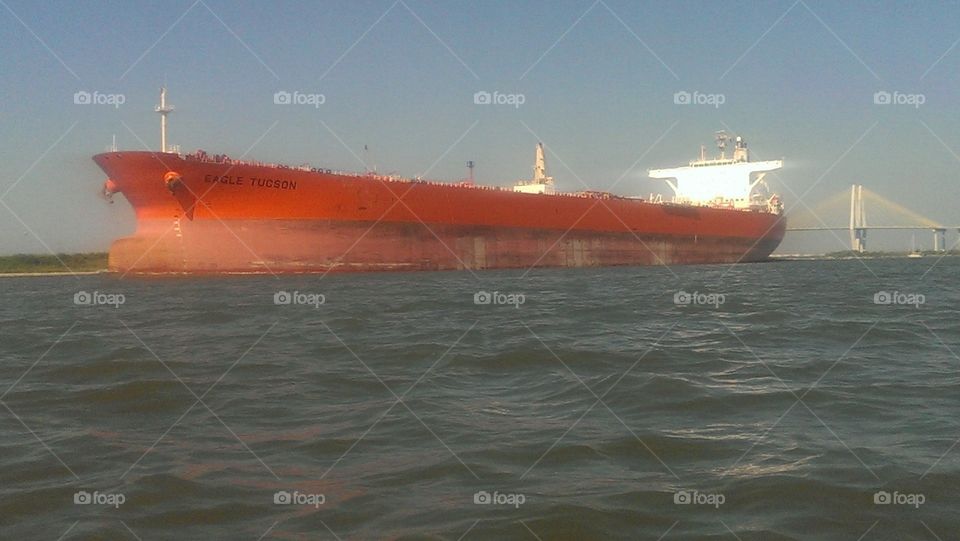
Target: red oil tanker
{"x": 210, "y": 214}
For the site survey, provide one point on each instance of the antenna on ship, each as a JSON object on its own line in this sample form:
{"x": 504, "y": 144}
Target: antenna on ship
{"x": 470, "y": 165}
{"x": 722, "y": 139}
{"x": 366, "y": 160}
{"x": 164, "y": 110}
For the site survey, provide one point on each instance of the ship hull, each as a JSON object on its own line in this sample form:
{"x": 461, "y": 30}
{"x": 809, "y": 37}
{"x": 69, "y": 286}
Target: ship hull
{"x": 230, "y": 218}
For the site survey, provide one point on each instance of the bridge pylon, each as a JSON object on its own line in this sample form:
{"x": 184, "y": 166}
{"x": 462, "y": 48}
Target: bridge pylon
{"x": 940, "y": 239}
{"x": 858, "y": 220}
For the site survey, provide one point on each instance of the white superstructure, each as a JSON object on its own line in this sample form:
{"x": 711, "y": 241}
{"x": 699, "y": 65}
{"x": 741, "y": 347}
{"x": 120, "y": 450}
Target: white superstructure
{"x": 723, "y": 181}
{"x": 541, "y": 183}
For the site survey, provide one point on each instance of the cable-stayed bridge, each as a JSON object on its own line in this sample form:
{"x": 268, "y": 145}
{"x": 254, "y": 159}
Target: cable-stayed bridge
{"x": 884, "y": 214}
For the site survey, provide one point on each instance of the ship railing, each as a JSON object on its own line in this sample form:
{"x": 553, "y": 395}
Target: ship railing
{"x": 719, "y": 203}
{"x": 202, "y": 156}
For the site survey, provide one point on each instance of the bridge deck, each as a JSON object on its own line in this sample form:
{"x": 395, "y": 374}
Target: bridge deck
{"x": 848, "y": 228}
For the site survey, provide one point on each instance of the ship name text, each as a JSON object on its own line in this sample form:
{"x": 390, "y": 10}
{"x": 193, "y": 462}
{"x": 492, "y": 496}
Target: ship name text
{"x": 253, "y": 182}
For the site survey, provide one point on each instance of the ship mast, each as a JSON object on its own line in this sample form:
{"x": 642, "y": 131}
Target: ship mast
{"x": 540, "y": 167}
{"x": 541, "y": 183}
{"x": 164, "y": 110}
{"x": 722, "y": 139}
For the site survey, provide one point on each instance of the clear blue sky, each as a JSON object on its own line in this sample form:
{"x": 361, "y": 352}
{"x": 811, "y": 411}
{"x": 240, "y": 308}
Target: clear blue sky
{"x": 598, "y": 81}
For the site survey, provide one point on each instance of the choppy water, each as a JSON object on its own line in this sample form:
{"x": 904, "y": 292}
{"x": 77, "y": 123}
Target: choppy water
{"x": 586, "y": 412}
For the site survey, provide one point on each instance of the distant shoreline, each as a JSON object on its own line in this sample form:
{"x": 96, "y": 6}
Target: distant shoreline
{"x": 27, "y": 265}
{"x": 50, "y": 265}
{"x": 83, "y": 264}
{"x": 53, "y": 273}
{"x": 841, "y": 256}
